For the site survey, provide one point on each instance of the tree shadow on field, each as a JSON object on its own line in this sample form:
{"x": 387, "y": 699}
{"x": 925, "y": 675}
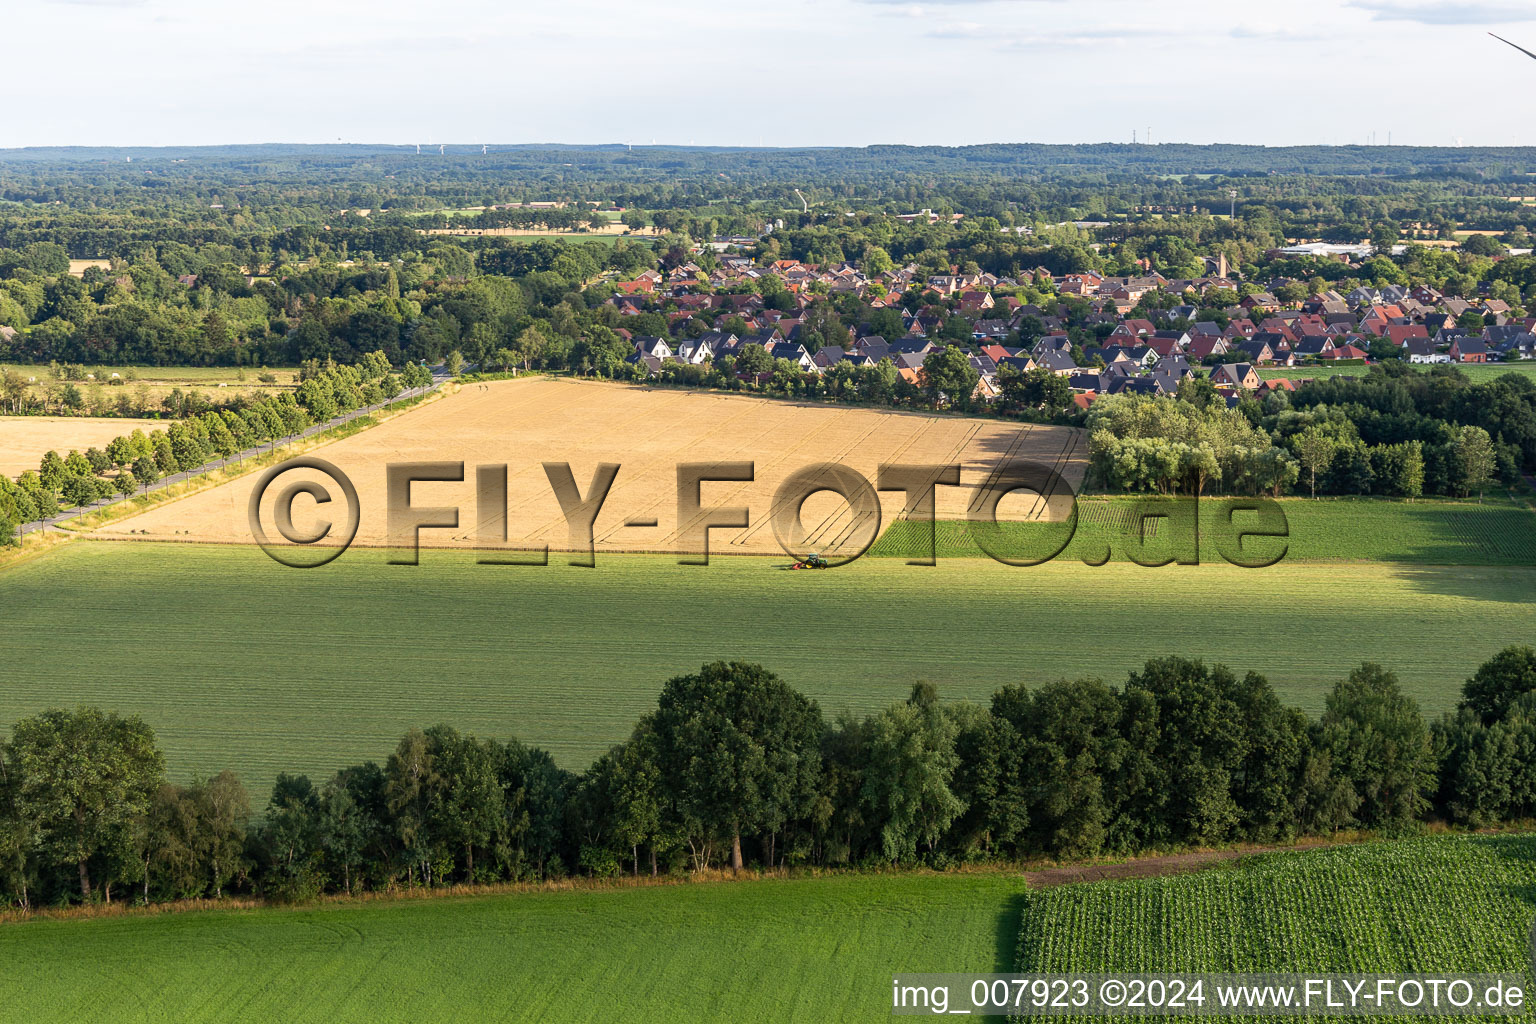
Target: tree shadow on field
{"x": 1520, "y": 850}
{"x": 1504, "y": 585}
{"x": 1005, "y": 953}
{"x": 1429, "y": 532}
{"x": 1005, "y": 958}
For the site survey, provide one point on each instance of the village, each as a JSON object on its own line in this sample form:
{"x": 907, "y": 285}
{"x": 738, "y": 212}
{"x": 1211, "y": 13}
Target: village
{"x": 1004, "y": 334}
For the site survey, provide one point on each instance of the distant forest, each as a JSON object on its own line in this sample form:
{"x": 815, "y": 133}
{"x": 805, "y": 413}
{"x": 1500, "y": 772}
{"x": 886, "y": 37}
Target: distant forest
{"x": 219, "y": 194}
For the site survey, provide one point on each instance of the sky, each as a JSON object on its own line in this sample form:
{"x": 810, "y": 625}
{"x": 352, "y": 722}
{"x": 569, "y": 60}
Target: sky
{"x": 777, "y": 73}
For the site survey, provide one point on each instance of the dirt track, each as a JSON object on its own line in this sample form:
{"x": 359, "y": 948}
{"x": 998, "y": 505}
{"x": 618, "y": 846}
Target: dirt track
{"x": 1153, "y": 867}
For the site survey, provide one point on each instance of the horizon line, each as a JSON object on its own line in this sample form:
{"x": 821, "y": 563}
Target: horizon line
{"x": 475, "y": 148}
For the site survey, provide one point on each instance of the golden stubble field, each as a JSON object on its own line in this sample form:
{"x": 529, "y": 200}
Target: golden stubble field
{"x": 24, "y": 440}
{"x": 647, "y": 432}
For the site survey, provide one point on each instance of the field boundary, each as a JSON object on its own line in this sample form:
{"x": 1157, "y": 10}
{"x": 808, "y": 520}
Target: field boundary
{"x": 1154, "y": 866}
{"x": 68, "y": 526}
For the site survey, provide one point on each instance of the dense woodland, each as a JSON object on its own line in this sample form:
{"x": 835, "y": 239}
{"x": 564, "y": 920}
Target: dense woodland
{"x": 1395, "y": 432}
{"x": 735, "y": 768}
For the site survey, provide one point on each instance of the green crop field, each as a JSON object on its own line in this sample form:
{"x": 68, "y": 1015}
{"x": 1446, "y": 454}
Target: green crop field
{"x": 819, "y": 949}
{"x": 811, "y": 949}
{"x": 239, "y": 662}
{"x": 1427, "y": 532}
{"x": 1437, "y": 905}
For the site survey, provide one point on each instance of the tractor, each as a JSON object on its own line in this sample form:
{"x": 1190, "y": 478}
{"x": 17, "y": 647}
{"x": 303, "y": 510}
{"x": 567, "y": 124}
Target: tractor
{"x": 812, "y": 561}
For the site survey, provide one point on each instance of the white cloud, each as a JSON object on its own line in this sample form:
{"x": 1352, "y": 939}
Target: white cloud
{"x": 586, "y": 71}
{"x": 1446, "y": 13}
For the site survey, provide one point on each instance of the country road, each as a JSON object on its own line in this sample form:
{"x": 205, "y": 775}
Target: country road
{"x": 440, "y": 376}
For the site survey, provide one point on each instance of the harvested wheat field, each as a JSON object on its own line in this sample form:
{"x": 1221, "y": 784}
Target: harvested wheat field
{"x": 24, "y": 440}
{"x": 647, "y": 432}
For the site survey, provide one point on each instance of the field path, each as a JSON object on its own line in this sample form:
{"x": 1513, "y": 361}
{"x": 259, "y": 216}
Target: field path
{"x": 439, "y": 378}
{"x": 1153, "y": 867}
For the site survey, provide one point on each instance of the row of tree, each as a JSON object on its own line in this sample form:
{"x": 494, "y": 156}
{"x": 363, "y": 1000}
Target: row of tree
{"x": 1395, "y": 431}
{"x": 136, "y": 460}
{"x": 734, "y": 767}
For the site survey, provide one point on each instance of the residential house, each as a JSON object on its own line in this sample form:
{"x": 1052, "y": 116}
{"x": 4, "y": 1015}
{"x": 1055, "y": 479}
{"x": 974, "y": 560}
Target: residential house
{"x": 656, "y": 348}
{"x": 1469, "y": 350}
{"x": 1423, "y": 350}
{"x": 1236, "y": 375}
{"x": 1057, "y": 361}
{"x": 1315, "y": 348}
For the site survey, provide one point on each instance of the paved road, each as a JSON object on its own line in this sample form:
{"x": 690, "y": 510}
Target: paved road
{"x": 440, "y": 377}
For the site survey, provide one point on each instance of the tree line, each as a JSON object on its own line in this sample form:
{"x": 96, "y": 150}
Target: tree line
{"x": 1395, "y": 431}
{"x": 735, "y": 768}
{"x": 133, "y": 461}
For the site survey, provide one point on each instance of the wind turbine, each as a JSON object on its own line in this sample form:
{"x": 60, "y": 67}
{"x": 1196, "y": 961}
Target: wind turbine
{"x": 418, "y": 149}
{"x": 1506, "y": 42}
{"x": 440, "y": 149}
{"x": 483, "y": 150}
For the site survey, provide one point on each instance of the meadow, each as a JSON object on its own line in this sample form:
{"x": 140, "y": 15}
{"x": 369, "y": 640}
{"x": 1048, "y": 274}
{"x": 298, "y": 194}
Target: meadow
{"x": 239, "y": 662}
{"x": 1478, "y": 372}
{"x": 805, "y": 949}
{"x": 1431, "y": 905}
{"x": 811, "y": 950}
{"x": 202, "y": 376}
{"x": 147, "y": 385}
{"x": 1498, "y": 531}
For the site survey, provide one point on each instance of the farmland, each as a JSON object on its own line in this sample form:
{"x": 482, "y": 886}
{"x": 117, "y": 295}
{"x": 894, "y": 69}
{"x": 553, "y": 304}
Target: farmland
{"x": 149, "y": 384}
{"x": 647, "y": 432}
{"x": 805, "y": 950}
{"x": 239, "y": 662}
{"x": 1477, "y": 372}
{"x": 1435, "y": 905}
{"x": 1499, "y": 531}
{"x": 24, "y": 440}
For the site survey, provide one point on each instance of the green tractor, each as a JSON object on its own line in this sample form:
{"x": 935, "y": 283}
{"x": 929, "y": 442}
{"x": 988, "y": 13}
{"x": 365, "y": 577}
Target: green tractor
{"x": 812, "y": 561}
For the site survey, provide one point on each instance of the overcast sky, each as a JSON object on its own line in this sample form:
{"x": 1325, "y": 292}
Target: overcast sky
{"x": 778, "y": 73}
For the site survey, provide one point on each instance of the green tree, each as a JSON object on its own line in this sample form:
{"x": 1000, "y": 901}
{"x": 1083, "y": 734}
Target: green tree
{"x": 289, "y": 840}
{"x": 1317, "y": 449}
{"x": 1378, "y": 744}
{"x": 911, "y": 763}
{"x": 1499, "y": 682}
{"x": 1199, "y": 392}
{"x": 949, "y": 378}
{"x": 145, "y": 471}
{"x": 737, "y": 751}
{"x": 224, "y": 812}
{"x": 86, "y": 777}
{"x": 1475, "y": 459}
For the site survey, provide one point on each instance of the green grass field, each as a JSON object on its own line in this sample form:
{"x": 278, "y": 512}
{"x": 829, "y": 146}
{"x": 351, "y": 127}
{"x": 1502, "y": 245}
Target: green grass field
{"x": 579, "y": 237}
{"x": 239, "y": 662}
{"x": 200, "y": 375}
{"x": 811, "y": 950}
{"x": 1498, "y": 531}
{"x": 1475, "y": 371}
{"x": 1435, "y": 905}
